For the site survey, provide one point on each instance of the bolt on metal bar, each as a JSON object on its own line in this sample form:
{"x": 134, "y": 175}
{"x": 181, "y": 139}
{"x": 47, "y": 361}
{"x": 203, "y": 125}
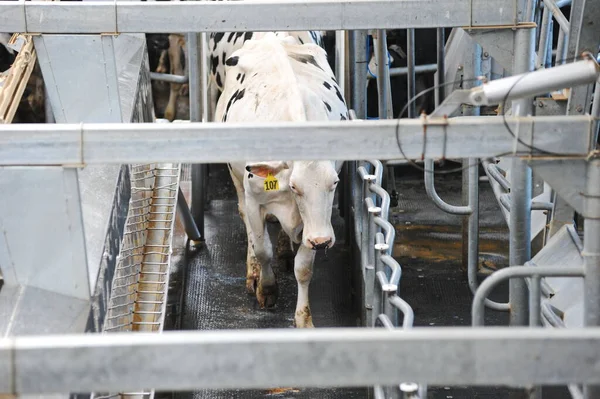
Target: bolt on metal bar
{"x": 486, "y": 287}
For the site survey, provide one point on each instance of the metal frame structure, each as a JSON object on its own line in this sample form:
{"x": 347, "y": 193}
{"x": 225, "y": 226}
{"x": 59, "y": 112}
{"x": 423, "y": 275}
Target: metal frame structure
{"x": 396, "y": 353}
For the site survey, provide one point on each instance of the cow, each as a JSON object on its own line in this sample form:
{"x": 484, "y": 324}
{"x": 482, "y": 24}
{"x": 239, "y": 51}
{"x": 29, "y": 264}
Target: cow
{"x": 273, "y": 77}
{"x": 220, "y": 45}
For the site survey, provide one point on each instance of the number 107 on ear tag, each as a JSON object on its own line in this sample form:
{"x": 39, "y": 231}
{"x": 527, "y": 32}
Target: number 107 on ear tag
{"x": 271, "y": 183}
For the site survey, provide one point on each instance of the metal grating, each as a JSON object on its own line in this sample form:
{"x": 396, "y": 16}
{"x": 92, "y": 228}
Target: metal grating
{"x": 139, "y": 288}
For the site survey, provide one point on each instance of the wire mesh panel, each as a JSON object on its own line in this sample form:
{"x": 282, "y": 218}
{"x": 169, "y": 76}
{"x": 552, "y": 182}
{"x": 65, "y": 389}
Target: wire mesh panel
{"x": 139, "y": 288}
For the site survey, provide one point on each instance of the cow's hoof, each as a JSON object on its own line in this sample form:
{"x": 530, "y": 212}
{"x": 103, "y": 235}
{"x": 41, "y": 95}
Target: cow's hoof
{"x": 266, "y": 295}
{"x": 252, "y": 276}
{"x": 170, "y": 115}
{"x": 303, "y": 319}
{"x": 251, "y": 285}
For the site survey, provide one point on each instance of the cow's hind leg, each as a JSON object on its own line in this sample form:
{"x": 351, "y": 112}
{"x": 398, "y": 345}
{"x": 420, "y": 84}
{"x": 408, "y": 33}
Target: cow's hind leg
{"x": 303, "y": 269}
{"x": 252, "y": 265}
{"x": 285, "y": 250}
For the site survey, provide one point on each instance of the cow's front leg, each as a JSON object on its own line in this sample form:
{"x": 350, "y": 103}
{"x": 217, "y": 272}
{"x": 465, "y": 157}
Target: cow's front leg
{"x": 303, "y": 269}
{"x": 252, "y": 265}
{"x": 266, "y": 289}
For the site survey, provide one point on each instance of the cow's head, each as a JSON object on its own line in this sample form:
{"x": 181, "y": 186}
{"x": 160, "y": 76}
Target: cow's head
{"x": 312, "y": 184}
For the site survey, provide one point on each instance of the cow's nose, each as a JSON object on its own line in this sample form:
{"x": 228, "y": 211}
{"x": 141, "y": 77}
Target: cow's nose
{"x": 319, "y": 242}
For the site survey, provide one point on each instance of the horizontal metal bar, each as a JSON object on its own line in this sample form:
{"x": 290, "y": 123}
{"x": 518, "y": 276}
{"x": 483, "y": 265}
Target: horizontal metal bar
{"x": 460, "y": 137}
{"x": 157, "y": 17}
{"x": 167, "y": 77}
{"x": 401, "y": 71}
{"x": 321, "y": 358}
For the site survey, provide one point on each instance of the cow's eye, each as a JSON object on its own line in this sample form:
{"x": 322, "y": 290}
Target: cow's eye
{"x": 334, "y": 185}
{"x": 295, "y": 189}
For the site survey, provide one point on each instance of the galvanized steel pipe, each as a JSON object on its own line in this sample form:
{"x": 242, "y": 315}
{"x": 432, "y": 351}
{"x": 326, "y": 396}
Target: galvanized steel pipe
{"x": 513, "y": 273}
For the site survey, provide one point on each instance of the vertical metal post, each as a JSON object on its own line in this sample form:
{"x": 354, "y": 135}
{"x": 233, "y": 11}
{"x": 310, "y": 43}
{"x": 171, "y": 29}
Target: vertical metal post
{"x": 544, "y": 38}
{"x": 410, "y": 76}
{"x": 198, "y": 75}
{"x": 521, "y": 186}
{"x": 595, "y": 114}
{"x": 383, "y": 73}
{"x": 560, "y": 48}
{"x": 359, "y": 76}
{"x": 591, "y": 257}
{"x": 534, "y": 302}
{"x": 441, "y": 66}
{"x": 340, "y": 59}
{"x": 473, "y": 219}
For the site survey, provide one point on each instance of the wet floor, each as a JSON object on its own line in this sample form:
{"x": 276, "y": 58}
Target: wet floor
{"x": 213, "y": 294}
{"x": 208, "y": 284}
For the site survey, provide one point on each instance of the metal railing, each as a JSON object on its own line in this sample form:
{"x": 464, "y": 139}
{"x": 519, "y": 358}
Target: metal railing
{"x": 381, "y": 272}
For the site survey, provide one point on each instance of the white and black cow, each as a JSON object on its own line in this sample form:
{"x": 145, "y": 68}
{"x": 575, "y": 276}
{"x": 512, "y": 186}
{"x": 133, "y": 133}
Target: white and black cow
{"x": 220, "y": 46}
{"x": 275, "y": 78}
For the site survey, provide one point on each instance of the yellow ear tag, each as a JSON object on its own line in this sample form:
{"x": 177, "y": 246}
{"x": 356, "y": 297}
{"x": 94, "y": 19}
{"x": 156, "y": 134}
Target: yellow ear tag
{"x": 271, "y": 183}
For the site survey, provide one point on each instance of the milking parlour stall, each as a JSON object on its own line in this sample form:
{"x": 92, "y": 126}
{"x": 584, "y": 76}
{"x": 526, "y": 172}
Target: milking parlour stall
{"x": 300, "y": 199}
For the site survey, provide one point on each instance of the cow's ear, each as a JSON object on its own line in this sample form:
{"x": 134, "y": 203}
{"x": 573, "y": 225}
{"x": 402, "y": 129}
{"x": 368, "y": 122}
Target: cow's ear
{"x": 263, "y": 169}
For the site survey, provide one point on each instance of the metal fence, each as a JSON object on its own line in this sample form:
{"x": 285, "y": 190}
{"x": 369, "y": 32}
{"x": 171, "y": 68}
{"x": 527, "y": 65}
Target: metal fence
{"x": 356, "y": 357}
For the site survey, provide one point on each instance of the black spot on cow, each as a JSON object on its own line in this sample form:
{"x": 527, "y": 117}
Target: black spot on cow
{"x": 300, "y": 40}
{"x": 237, "y": 36}
{"x": 218, "y": 38}
{"x": 230, "y": 37}
{"x": 250, "y": 175}
{"x": 306, "y": 59}
{"x": 243, "y": 77}
{"x": 239, "y": 75}
{"x": 237, "y": 95}
{"x": 232, "y": 61}
{"x": 334, "y": 79}
{"x": 248, "y": 36}
{"x": 337, "y": 92}
{"x": 224, "y": 57}
{"x": 327, "y": 106}
{"x": 327, "y": 85}
{"x": 214, "y": 62}
{"x": 343, "y": 117}
{"x": 219, "y": 82}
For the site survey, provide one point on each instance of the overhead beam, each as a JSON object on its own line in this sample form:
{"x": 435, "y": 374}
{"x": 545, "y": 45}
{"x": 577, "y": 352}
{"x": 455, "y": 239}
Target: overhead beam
{"x": 256, "y": 15}
{"x": 461, "y": 137}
